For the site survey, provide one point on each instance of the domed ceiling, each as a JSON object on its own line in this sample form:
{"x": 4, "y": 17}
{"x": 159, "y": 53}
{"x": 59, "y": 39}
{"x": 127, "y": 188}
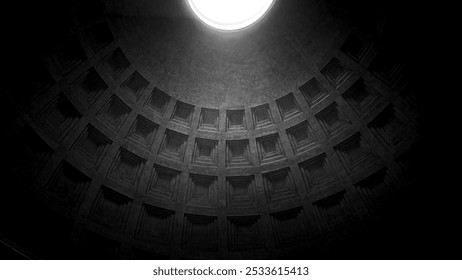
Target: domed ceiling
{"x": 138, "y": 132}
{"x": 227, "y": 69}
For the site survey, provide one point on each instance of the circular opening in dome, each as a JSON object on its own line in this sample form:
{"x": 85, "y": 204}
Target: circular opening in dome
{"x": 230, "y": 14}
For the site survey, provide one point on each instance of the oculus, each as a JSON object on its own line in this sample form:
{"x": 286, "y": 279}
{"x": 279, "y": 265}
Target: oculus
{"x": 230, "y": 14}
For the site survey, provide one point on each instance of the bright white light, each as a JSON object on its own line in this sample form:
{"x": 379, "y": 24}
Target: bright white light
{"x": 230, "y": 14}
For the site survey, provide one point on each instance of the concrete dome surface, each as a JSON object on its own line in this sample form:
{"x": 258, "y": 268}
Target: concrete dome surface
{"x": 136, "y": 131}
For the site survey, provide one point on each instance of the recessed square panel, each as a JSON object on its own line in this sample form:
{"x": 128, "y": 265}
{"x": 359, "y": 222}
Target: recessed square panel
{"x": 318, "y": 172}
{"x": 68, "y": 185}
{"x": 92, "y": 145}
{"x": 332, "y": 120}
{"x": 88, "y": 87}
{"x": 279, "y": 185}
{"x": 209, "y": 119}
{"x": 336, "y": 72}
{"x": 333, "y": 213}
{"x": 237, "y": 153}
{"x": 361, "y": 97}
{"x": 200, "y": 232}
{"x": 240, "y": 191}
{"x": 301, "y": 137}
{"x": 158, "y": 101}
{"x": 127, "y": 168}
{"x": 288, "y": 106}
{"x": 390, "y": 127}
{"x": 262, "y": 116}
{"x": 173, "y": 145}
{"x": 59, "y": 117}
{"x": 163, "y": 183}
{"x": 143, "y": 132}
{"x": 235, "y": 120}
{"x": 313, "y": 92}
{"x": 114, "y": 113}
{"x": 355, "y": 154}
{"x": 205, "y": 152}
{"x": 202, "y": 190}
{"x": 290, "y": 227}
{"x": 116, "y": 63}
{"x": 270, "y": 149}
{"x": 111, "y": 209}
{"x": 244, "y": 233}
{"x": 155, "y": 225}
{"x": 357, "y": 46}
{"x": 135, "y": 84}
{"x": 182, "y": 113}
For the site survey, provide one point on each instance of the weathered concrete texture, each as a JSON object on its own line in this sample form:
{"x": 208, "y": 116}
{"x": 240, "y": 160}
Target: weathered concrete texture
{"x": 251, "y": 67}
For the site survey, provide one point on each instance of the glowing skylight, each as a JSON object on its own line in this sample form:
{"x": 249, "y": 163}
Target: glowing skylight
{"x": 230, "y": 14}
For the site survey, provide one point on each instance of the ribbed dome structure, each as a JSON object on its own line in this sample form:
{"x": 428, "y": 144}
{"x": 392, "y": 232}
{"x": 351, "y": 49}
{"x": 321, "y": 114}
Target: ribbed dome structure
{"x": 138, "y": 132}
